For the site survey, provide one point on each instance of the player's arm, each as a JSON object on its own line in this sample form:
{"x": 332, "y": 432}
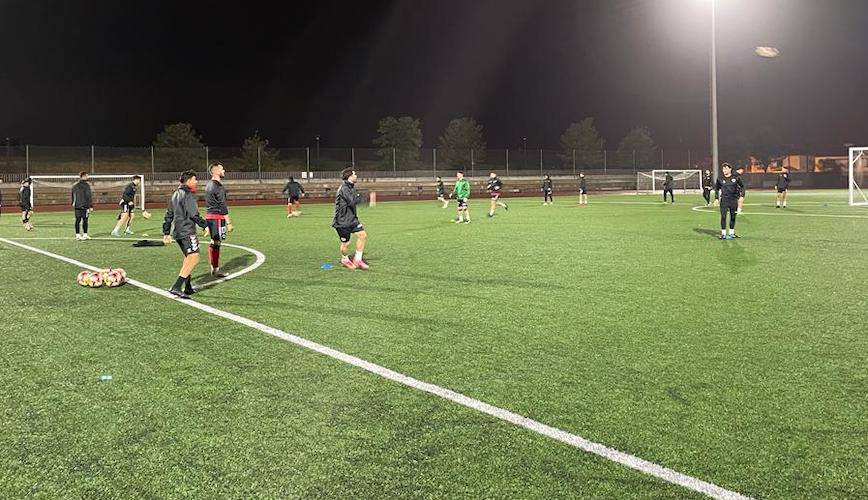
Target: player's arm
{"x": 167, "y": 222}
{"x": 301, "y": 188}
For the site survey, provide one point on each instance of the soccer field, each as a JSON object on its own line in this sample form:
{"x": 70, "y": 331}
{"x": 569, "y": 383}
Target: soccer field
{"x": 742, "y": 363}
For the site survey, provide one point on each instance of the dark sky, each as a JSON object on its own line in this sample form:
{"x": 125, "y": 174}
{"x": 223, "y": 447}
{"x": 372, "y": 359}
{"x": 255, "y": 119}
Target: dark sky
{"x": 112, "y": 73}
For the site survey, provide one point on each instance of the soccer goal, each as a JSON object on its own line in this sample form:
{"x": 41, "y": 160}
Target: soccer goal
{"x": 685, "y": 181}
{"x": 108, "y": 186}
{"x": 858, "y": 170}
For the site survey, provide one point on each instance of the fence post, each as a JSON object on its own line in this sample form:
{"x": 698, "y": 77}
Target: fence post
{"x": 662, "y": 162}
{"x": 689, "y": 163}
{"x": 507, "y": 162}
{"x": 605, "y": 162}
{"x": 472, "y": 163}
{"x": 27, "y": 159}
{"x": 152, "y": 164}
{"x": 307, "y": 161}
{"x": 394, "y": 163}
{"x": 540, "y": 162}
{"x": 574, "y": 163}
{"x": 434, "y": 151}
{"x": 634, "y": 161}
{"x": 259, "y": 162}
{"x": 353, "y": 156}
{"x": 206, "y": 158}
{"x": 92, "y": 166}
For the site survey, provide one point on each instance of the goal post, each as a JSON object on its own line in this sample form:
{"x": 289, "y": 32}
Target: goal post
{"x": 686, "y": 181}
{"x": 99, "y": 182}
{"x": 857, "y": 173}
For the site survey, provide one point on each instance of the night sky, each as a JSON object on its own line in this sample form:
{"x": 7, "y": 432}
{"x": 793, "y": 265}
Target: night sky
{"x": 112, "y": 73}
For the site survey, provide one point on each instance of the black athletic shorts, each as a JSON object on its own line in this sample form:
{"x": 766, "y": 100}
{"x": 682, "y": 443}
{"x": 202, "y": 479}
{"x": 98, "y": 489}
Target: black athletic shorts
{"x": 583, "y": 191}
{"x": 81, "y": 213}
{"x": 126, "y": 208}
{"x": 462, "y": 202}
{"x": 293, "y": 199}
{"x": 345, "y": 232}
{"x": 782, "y": 190}
{"x": 217, "y": 229}
{"x": 189, "y": 245}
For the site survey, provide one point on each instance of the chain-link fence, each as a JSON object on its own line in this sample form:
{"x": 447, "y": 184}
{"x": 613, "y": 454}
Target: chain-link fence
{"x": 277, "y": 163}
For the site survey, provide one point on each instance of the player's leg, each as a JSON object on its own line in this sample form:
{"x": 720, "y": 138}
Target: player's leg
{"x": 85, "y": 222}
{"x": 466, "y": 213}
{"x": 724, "y": 210}
{"x": 732, "y": 213}
{"x": 77, "y": 224}
{"x": 501, "y": 203}
{"x": 361, "y": 239}
{"x": 297, "y": 208}
{"x": 740, "y": 204}
{"x": 183, "y": 286}
{"x": 784, "y": 198}
{"x": 129, "y": 228}
{"x": 122, "y": 221}
{"x": 344, "y": 237}
{"x": 217, "y": 230}
{"x": 491, "y": 206}
{"x": 288, "y": 208}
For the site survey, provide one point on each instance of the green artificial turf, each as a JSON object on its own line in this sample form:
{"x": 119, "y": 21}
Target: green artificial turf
{"x": 743, "y": 363}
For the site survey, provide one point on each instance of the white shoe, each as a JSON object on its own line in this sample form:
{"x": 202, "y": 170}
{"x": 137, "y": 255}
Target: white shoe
{"x": 115, "y": 233}
{"x": 85, "y": 236}
{"x": 129, "y": 231}
{"x": 79, "y": 237}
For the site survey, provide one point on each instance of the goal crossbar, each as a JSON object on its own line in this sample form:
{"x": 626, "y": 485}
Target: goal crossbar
{"x": 68, "y": 180}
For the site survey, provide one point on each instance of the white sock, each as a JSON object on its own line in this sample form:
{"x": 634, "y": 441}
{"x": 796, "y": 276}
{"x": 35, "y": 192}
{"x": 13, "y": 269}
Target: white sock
{"x": 345, "y": 258}
{"x": 358, "y": 255}
{"x": 731, "y": 231}
{"x": 491, "y": 212}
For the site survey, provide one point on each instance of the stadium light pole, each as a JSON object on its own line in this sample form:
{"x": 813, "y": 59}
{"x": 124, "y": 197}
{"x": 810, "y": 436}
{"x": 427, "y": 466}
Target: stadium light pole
{"x": 524, "y": 153}
{"x": 317, "y": 149}
{"x": 714, "y": 150}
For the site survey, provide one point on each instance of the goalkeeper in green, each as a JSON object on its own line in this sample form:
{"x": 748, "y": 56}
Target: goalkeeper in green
{"x": 462, "y": 194}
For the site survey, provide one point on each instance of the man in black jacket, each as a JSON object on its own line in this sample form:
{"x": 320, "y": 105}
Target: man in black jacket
{"x": 583, "y": 190}
{"x": 728, "y": 189}
{"x": 183, "y": 212}
{"x": 668, "y": 185}
{"x": 707, "y": 186}
{"x": 441, "y": 193}
{"x": 25, "y": 203}
{"x": 346, "y": 221}
{"x": 781, "y": 187}
{"x": 547, "y": 190}
{"x": 294, "y": 191}
{"x": 217, "y": 216}
{"x": 82, "y": 204}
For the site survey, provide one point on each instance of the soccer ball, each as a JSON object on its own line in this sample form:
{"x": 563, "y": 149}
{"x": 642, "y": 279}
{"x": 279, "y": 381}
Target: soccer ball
{"x": 146, "y": 214}
{"x": 84, "y": 278}
{"x": 113, "y": 278}
{"x": 96, "y": 279}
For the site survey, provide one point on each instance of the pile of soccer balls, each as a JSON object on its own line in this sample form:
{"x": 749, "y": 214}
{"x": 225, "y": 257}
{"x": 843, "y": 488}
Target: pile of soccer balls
{"x": 108, "y": 277}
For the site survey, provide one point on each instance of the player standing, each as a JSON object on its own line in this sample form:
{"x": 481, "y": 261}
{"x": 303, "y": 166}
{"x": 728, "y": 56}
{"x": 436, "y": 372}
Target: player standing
{"x": 781, "y": 187}
{"x": 739, "y": 170}
{"x": 217, "y": 216}
{"x": 668, "y": 183}
{"x": 25, "y": 203}
{"x": 441, "y": 193}
{"x": 294, "y": 191}
{"x": 127, "y": 204}
{"x": 461, "y": 191}
{"x": 707, "y": 186}
{"x": 728, "y": 189}
{"x": 346, "y": 220}
{"x": 183, "y": 213}
{"x": 494, "y": 190}
{"x": 547, "y": 190}
{"x": 583, "y": 190}
{"x": 82, "y": 204}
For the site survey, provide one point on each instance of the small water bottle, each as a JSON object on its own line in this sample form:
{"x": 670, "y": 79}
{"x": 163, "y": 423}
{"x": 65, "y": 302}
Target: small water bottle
{"x": 105, "y": 378}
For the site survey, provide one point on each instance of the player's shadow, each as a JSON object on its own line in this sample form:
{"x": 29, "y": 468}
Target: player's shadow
{"x": 702, "y": 230}
{"x": 229, "y": 266}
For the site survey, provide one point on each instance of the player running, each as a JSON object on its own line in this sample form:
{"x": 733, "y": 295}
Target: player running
{"x": 728, "y": 189}
{"x": 781, "y": 187}
{"x": 583, "y": 190}
{"x": 25, "y": 203}
{"x": 294, "y": 191}
{"x": 346, "y": 220}
{"x": 547, "y": 190}
{"x": 494, "y": 190}
{"x": 127, "y": 204}
{"x": 707, "y": 187}
{"x": 668, "y": 184}
{"x": 82, "y": 204}
{"x": 216, "y": 216}
{"x": 739, "y": 171}
{"x": 183, "y": 213}
{"x": 441, "y": 192}
{"x": 461, "y": 191}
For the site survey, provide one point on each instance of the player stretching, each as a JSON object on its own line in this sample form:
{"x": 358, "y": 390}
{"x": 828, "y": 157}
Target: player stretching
{"x": 441, "y": 193}
{"x": 547, "y": 190}
{"x": 494, "y": 189}
{"x": 346, "y": 221}
{"x": 707, "y": 186}
{"x": 183, "y": 212}
{"x": 461, "y": 191}
{"x": 217, "y": 216}
{"x": 739, "y": 170}
{"x": 583, "y": 190}
{"x": 667, "y": 187}
{"x": 82, "y": 203}
{"x": 781, "y": 187}
{"x": 728, "y": 190}
{"x": 127, "y": 204}
{"x": 25, "y": 204}
{"x": 294, "y": 191}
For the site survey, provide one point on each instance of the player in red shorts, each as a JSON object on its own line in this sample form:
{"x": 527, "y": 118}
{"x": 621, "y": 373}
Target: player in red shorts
{"x": 217, "y": 216}
{"x": 494, "y": 189}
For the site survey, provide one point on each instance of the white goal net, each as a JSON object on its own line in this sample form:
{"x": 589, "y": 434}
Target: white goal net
{"x": 683, "y": 181}
{"x": 107, "y": 188}
{"x": 858, "y": 171}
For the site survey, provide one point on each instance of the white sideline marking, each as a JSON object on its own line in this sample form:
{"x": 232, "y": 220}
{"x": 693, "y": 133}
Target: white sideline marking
{"x": 574, "y": 440}
{"x": 703, "y": 208}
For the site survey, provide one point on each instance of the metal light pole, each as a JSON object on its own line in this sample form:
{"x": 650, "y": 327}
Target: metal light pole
{"x": 317, "y": 149}
{"x": 524, "y": 153}
{"x": 715, "y": 158}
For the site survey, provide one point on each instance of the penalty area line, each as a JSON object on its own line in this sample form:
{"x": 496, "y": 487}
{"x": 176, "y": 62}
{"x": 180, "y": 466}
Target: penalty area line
{"x": 574, "y": 440}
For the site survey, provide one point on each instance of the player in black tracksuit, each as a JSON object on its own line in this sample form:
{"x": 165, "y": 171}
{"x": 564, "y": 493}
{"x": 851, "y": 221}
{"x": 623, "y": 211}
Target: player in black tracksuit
{"x": 728, "y": 189}
{"x": 707, "y": 187}
{"x": 441, "y": 192}
{"x": 82, "y": 204}
{"x": 495, "y": 189}
{"x": 294, "y": 191}
{"x": 25, "y": 203}
{"x": 583, "y": 190}
{"x": 346, "y": 221}
{"x": 739, "y": 171}
{"x": 217, "y": 216}
{"x": 781, "y": 186}
{"x": 183, "y": 214}
{"x": 668, "y": 185}
{"x": 126, "y": 206}
{"x": 547, "y": 190}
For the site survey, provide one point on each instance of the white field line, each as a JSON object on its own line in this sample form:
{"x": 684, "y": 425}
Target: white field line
{"x": 574, "y": 440}
{"x": 783, "y": 212}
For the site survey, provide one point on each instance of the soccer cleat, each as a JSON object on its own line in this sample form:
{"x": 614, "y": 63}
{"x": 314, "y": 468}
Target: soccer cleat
{"x": 219, "y": 273}
{"x": 85, "y": 236}
{"x": 733, "y": 236}
{"x": 115, "y": 233}
{"x": 288, "y": 216}
{"x": 490, "y": 215}
{"x": 467, "y": 221}
{"x": 178, "y": 293}
{"x": 360, "y": 264}
{"x": 721, "y": 237}
{"x": 348, "y": 263}
{"x": 504, "y": 205}
{"x": 190, "y": 290}
{"x": 78, "y": 237}
{"x": 128, "y": 231}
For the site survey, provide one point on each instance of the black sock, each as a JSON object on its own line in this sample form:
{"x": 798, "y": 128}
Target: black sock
{"x": 179, "y": 283}
{"x": 187, "y": 283}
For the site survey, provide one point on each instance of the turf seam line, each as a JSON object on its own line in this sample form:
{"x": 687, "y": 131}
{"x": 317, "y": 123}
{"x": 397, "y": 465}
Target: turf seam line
{"x": 601, "y": 450}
